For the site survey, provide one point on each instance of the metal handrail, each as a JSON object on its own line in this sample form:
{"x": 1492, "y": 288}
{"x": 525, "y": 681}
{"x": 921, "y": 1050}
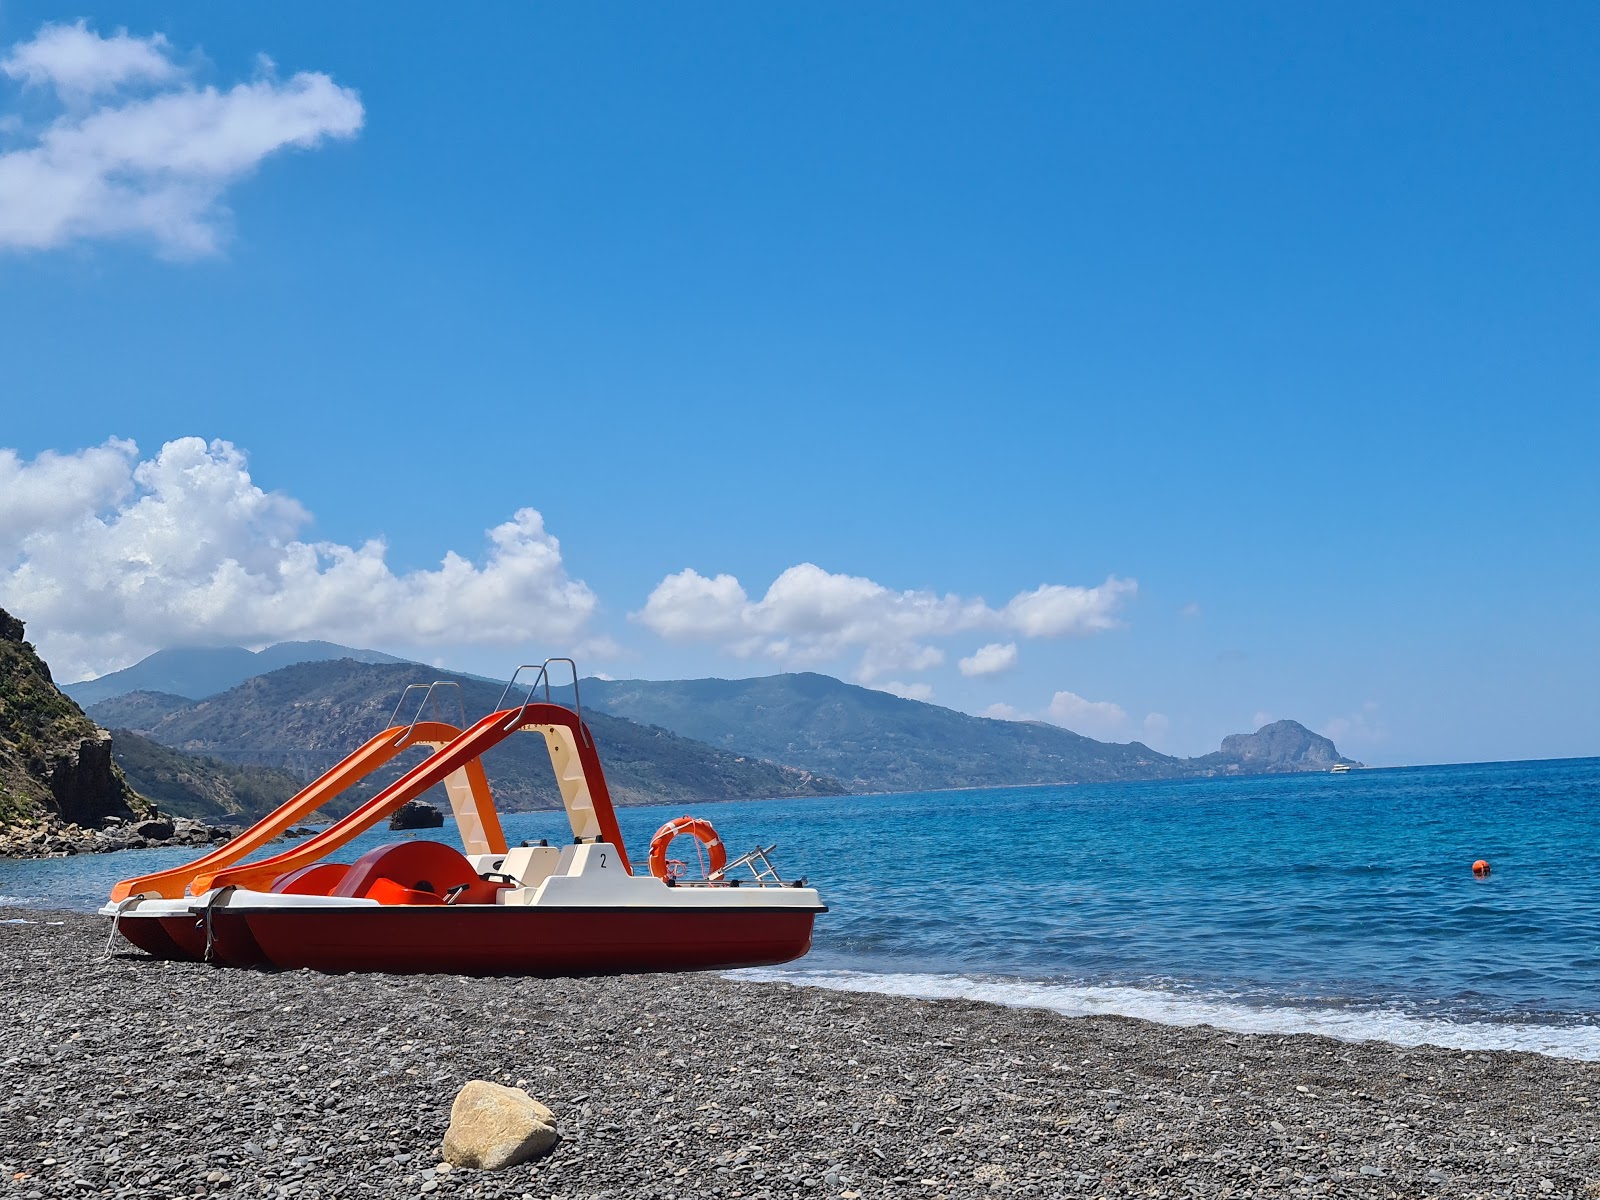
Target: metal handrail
{"x": 577, "y": 704}
{"x": 758, "y": 862}
{"x": 394, "y": 716}
{"x": 543, "y": 676}
{"x": 427, "y": 697}
{"x": 512, "y": 682}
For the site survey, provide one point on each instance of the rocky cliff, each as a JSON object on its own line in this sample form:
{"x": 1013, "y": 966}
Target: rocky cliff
{"x": 55, "y": 763}
{"x": 1282, "y": 746}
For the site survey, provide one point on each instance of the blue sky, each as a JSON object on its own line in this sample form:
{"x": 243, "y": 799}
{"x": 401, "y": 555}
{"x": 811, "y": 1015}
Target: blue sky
{"x": 1281, "y": 321}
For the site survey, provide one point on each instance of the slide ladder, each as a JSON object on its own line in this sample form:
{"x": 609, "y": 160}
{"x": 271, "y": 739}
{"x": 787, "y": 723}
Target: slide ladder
{"x": 590, "y": 810}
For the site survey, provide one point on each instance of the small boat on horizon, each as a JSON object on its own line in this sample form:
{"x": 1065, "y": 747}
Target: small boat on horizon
{"x": 425, "y": 907}
{"x": 1339, "y": 768}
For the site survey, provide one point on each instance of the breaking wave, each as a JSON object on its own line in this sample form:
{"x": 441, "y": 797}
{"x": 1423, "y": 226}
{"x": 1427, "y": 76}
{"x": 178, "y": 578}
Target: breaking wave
{"x": 1564, "y": 1039}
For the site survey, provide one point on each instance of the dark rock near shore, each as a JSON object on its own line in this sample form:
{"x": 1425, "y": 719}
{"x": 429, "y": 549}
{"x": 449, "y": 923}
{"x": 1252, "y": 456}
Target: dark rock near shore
{"x": 85, "y": 785}
{"x": 50, "y": 837}
{"x": 416, "y": 814}
{"x": 157, "y": 829}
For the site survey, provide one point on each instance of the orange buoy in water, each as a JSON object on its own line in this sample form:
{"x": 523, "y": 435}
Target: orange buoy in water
{"x": 1481, "y": 868}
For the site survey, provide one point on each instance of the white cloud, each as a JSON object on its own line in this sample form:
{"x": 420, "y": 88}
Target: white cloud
{"x": 76, "y": 61}
{"x": 990, "y": 659}
{"x": 1191, "y": 610}
{"x": 1262, "y": 718}
{"x": 809, "y": 616}
{"x": 153, "y": 164}
{"x": 907, "y": 691}
{"x": 56, "y": 488}
{"x": 1093, "y": 718}
{"x": 1001, "y": 712}
{"x": 1055, "y": 610}
{"x": 110, "y": 557}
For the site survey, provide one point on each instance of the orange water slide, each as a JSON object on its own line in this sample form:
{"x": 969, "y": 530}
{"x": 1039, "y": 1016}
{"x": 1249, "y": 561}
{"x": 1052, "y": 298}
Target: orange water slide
{"x": 462, "y": 754}
{"x": 350, "y": 771}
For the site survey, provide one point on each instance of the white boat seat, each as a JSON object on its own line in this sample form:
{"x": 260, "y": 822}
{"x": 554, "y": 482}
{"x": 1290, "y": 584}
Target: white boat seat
{"x": 530, "y": 865}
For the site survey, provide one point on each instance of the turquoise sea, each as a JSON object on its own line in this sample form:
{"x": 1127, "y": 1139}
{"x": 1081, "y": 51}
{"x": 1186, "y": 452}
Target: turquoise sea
{"x": 1342, "y": 904}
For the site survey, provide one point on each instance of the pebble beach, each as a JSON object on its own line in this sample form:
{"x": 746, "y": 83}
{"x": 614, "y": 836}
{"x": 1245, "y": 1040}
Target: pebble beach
{"x": 128, "y": 1077}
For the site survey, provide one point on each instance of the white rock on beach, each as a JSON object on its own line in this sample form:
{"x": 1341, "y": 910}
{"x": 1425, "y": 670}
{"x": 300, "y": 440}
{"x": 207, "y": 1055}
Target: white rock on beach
{"x": 493, "y": 1126}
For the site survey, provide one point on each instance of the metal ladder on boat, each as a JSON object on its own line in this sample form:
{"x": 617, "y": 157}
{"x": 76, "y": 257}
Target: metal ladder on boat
{"x": 766, "y": 875}
{"x": 571, "y": 779}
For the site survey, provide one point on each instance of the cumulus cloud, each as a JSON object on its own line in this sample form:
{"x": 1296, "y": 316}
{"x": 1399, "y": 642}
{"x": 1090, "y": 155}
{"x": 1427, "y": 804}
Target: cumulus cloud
{"x": 1100, "y": 719}
{"x": 1001, "y": 712}
{"x": 138, "y": 149}
{"x": 1055, "y": 610}
{"x": 109, "y": 556}
{"x": 990, "y": 659}
{"x": 76, "y": 61}
{"x": 809, "y": 616}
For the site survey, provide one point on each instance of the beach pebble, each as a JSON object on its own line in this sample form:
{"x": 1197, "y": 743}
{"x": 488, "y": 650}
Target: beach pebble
{"x": 493, "y": 1127}
{"x": 310, "y": 1085}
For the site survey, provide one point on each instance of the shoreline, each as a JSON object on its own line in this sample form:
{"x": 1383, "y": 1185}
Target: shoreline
{"x": 181, "y": 1078}
{"x": 1576, "y": 1039}
{"x": 50, "y": 837}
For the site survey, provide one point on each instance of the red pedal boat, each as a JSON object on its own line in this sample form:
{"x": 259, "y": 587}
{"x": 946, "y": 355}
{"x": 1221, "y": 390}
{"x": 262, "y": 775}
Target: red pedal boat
{"x": 423, "y": 907}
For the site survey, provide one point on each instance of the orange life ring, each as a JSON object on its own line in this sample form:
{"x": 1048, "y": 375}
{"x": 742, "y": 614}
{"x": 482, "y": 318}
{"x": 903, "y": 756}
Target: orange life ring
{"x": 701, "y": 831}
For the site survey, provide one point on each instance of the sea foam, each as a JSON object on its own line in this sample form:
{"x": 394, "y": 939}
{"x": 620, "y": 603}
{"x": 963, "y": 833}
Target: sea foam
{"x": 1577, "y": 1040}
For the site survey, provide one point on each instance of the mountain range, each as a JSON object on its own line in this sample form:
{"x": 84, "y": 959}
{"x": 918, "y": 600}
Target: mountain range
{"x": 196, "y": 672}
{"x": 877, "y": 742}
{"x": 229, "y": 747}
{"x": 305, "y": 717}
{"x": 782, "y": 735}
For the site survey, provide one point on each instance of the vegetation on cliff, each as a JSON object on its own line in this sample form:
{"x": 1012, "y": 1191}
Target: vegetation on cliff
{"x": 54, "y": 761}
{"x": 188, "y": 785}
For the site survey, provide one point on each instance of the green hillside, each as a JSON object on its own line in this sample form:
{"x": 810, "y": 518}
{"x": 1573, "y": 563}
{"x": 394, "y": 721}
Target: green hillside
{"x": 196, "y": 786}
{"x": 305, "y": 717}
{"x": 877, "y": 742}
{"x": 869, "y": 739}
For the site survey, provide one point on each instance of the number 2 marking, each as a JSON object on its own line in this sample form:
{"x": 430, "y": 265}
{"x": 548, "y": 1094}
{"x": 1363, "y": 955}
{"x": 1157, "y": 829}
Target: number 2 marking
{"x": 602, "y": 862}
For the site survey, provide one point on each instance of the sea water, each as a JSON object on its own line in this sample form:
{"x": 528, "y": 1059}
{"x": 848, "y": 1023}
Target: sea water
{"x": 1339, "y": 904}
